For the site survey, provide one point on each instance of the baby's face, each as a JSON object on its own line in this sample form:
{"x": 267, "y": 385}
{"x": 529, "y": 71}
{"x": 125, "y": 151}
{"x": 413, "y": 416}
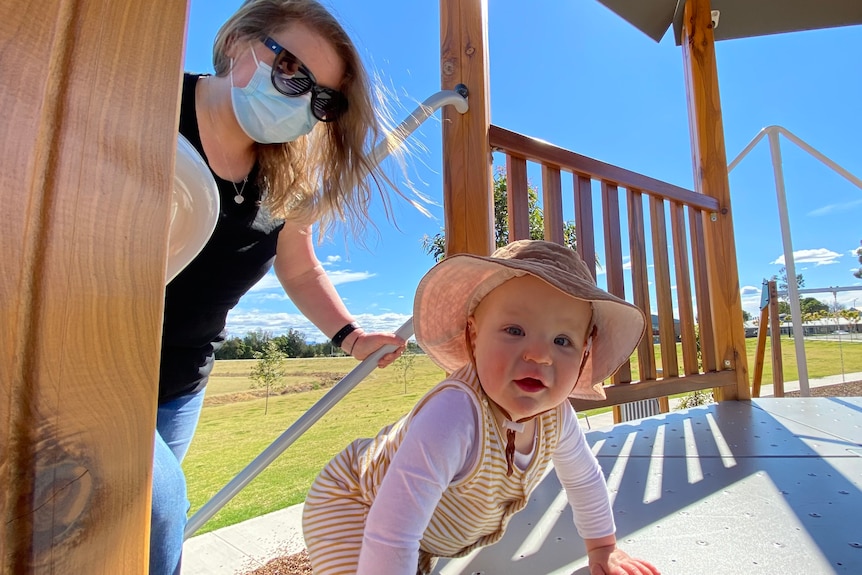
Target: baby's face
{"x": 528, "y": 342}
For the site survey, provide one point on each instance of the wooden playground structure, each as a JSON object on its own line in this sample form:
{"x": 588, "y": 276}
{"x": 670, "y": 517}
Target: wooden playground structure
{"x": 90, "y": 127}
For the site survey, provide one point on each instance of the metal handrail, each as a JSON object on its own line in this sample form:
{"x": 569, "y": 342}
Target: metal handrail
{"x": 795, "y": 310}
{"x": 456, "y": 98}
{"x": 292, "y": 433}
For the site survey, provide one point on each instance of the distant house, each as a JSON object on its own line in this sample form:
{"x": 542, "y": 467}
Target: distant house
{"x": 824, "y": 326}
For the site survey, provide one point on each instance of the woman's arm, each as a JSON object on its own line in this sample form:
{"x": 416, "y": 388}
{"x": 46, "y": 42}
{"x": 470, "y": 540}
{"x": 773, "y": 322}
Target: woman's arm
{"x": 438, "y": 447}
{"x": 311, "y": 291}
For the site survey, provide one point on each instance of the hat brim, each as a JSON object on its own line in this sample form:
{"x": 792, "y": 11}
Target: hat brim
{"x": 452, "y": 289}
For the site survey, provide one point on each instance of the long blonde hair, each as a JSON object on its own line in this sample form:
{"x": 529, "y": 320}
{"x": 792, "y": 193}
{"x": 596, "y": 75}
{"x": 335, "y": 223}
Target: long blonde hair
{"x": 325, "y": 177}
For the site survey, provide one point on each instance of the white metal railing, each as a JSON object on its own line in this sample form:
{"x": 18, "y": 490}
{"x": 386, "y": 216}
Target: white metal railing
{"x": 775, "y": 148}
{"x": 456, "y": 98}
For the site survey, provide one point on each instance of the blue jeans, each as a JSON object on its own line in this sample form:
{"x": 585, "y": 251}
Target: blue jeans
{"x": 175, "y": 427}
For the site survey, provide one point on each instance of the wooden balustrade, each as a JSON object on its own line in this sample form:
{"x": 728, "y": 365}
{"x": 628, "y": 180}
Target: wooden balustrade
{"x": 664, "y": 232}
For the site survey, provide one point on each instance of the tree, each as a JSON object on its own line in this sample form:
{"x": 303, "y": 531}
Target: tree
{"x": 404, "y": 367}
{"x": 292, "y": 344}
{"x": 781, "y": 280}
{"x": 233, "y": 348}
{"x": 436, "y": 246}
{"x": 746, "y": 316}
{"x": 858, "y": 273}
{"x": 269, "y": 370}
{"x": 256, "y": 340}
{"x": 810, "y": 305}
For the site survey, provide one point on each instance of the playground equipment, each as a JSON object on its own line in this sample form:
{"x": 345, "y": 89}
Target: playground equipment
{"x": 86, "y": 237}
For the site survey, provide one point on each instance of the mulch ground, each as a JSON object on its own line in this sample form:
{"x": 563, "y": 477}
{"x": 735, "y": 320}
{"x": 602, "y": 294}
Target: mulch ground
{"x": 298, "y": 564}
{"x": 847, "y": 389}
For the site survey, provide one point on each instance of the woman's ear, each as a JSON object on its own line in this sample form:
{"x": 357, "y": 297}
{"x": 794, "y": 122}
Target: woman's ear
{"x": 231, "y": 46}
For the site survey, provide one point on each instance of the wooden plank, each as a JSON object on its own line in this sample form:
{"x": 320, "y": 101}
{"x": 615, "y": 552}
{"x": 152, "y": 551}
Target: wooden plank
{"x": 710, "y": 176}
{"x": 640, "y": 282}
{"x": 614, "y": 259}
{"x": 664, "y": 299}
{"x": 552, "y": 203}
{"x": 683, "y": 289}
{"x": 468, "y": 200}
{"x": 516, "y": 198}
{"x": 775, "y": 332}
{"x": 90, "y": 105}
{"x": 760, "y": 351}
{"x": 584, "y": 221}
{"x": 544, "y": 153}
{"x": 701, "y": 290}
{"x": 618, "y": 394}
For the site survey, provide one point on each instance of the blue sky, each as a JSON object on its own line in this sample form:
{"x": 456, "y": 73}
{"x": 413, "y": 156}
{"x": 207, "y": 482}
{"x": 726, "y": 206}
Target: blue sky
{"x": 625, "y": 97}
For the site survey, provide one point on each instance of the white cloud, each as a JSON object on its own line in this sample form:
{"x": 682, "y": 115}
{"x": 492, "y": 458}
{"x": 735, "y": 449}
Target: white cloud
{"x": 242, "y": 321}
{"x": 834, "y": 208}
{"x": 347, "y": 276}
{"x": 750, "y": 300}
{"x": 819, "y": 256}
{"x": 331, "y": 260}
{"x": 267, "y": 282}
{"x": 337, "y": 277}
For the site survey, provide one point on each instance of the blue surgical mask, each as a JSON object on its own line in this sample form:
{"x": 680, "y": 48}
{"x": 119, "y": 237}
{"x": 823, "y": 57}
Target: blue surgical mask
{"x": 266, "y": 115}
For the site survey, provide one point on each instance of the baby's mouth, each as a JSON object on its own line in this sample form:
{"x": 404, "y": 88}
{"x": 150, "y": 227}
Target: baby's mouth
{"x": 529, "y": 384}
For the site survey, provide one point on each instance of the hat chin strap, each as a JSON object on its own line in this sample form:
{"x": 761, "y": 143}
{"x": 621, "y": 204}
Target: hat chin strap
{"x": 511, "y": 428}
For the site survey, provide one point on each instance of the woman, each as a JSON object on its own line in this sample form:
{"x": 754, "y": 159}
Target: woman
{"x": 283, "y": 124}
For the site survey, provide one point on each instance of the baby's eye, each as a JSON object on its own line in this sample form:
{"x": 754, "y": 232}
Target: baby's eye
{"x": 562, "y": 340}
{"x": 514, "y": 330}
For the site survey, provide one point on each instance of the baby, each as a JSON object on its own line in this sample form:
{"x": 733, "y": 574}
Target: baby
{"x": 519, "y": 332}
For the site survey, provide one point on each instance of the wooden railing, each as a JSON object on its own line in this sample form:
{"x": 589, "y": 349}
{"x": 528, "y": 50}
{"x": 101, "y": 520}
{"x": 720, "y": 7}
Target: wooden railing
{"x": 675, "y": 218}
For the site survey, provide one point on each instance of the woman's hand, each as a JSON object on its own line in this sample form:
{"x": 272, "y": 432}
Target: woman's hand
{"x": 609, "y": 560}
{"x": 360, "y": 345}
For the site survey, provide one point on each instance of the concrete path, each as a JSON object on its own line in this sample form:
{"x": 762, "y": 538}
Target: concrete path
{"x": 240, "y": 548}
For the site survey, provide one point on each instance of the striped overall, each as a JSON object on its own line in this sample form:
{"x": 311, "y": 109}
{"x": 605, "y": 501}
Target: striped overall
{"x": 473, "y": 511}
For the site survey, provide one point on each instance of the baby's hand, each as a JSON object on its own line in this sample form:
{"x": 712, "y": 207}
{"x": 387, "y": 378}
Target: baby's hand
{"x": 609, "y": 560}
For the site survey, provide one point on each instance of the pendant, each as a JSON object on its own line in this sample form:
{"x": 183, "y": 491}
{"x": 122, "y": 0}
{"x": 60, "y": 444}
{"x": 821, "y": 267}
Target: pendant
{"x": 238, "y": 199}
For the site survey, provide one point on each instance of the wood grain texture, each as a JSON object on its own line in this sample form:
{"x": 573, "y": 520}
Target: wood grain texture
{"x": 517, "y": 202}
{"x": 664, "y": 298}
{"x": 683, "y": 289}
{"x": 87, "y": 156}
{"x": 550, "y": 155}
{"x": 583, "y": 188}
{"x": 657, "y": 388}
{"x": 467, "y": 193}
{"x": 710, "y": 176}
{"x": 760, "y": 352}
{"x": 640, "y": 282}
{"x": 775, "y": 339}
{"x": 708, "y": 353}
{"x": 614, "y": 260}
{"x": 552, "y": 203}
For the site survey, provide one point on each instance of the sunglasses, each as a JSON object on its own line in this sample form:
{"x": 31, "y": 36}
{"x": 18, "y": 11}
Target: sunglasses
{"x": 292, "y": 78}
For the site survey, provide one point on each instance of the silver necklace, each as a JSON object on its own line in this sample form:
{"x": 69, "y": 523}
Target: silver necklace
{"x": 238, "y": 197}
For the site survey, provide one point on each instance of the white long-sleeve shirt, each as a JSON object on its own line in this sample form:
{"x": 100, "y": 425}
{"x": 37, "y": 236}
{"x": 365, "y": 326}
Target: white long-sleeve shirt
{"x": 439, "y": 448}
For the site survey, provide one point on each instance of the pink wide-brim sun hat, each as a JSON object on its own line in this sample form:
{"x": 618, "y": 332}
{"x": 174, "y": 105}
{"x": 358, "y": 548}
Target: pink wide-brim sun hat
{"x": 449, "y": 293}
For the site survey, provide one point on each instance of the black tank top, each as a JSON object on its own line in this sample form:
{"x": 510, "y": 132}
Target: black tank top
{"x": 239, "y": 253}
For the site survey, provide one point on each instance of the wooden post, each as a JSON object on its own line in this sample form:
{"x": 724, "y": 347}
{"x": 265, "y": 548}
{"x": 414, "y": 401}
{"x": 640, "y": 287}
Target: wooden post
{"x": 710, "y": 171}
{"x": 90, "y": 107}
{"x": 775, "y": 339}
{"x": 467, "y": 193}
{"x": 760, "y": 351}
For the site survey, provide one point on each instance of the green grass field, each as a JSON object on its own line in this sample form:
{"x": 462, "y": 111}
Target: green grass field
{"x": 234, "y": 429}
